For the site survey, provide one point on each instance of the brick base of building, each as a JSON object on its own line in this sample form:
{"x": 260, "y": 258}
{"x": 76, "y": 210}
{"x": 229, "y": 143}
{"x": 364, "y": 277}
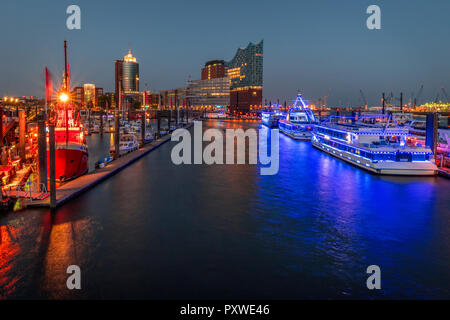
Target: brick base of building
{"x": 244, "y": 101}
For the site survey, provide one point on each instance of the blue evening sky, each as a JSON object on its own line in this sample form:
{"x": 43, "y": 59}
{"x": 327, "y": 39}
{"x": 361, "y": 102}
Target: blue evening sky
{"x": 314, "y": 46}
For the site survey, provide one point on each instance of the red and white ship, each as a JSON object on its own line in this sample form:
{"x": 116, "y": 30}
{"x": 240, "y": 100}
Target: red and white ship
{"x": 71, "y": 151}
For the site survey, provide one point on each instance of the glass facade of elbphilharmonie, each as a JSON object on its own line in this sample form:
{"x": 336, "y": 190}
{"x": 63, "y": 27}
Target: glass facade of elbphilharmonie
{"x": 236, "y": 84}
{"x": 245, "y": 71}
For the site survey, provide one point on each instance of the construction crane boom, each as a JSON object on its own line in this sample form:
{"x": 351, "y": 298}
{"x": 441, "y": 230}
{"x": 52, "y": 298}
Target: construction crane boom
{"x": 363, "y": 99}
{"x": 416, "y": 99}
{"x": 445, "y": 94}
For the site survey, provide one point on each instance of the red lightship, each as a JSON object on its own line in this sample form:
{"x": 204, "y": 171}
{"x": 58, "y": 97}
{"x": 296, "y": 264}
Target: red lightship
{"x": 71, "y": 151}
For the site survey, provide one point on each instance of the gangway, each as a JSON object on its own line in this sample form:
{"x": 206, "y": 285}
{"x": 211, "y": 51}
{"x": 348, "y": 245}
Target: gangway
{"x": 37, "y": 191}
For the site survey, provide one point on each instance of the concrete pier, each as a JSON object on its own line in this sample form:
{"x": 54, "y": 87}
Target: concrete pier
{"x": 76, "y": 187}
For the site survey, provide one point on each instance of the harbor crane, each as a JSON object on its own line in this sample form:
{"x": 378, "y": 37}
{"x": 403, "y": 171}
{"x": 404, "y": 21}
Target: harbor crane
{"x": 441, "y": 94}
{"x": 445, "y": 94}
{"x": 437, "y": 97}
{"x": 416, "y": 99}
{"x": 411, "y": 99}
{"x": 389, "y": 100}
{"x": 363, "y": 99}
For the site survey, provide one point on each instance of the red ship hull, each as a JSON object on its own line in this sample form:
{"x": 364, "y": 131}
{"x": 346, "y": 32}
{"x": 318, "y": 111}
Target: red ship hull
{"x": 69, "y": 163}
{"x": 71, "y": 155}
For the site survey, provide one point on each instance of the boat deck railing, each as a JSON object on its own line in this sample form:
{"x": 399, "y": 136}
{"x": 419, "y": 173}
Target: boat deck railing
{"x": 376, "y": 123}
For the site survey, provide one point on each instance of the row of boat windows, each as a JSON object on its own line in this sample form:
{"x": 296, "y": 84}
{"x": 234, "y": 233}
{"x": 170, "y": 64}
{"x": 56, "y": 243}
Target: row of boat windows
{"x": 299, "y": 118}
{"x": 290, "y": 127}
{"x": 376, "y": 156}
{"x": 332, "y": 133}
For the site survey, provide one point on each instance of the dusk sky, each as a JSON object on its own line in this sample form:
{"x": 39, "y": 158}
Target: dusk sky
{"x": 314, "y": 46}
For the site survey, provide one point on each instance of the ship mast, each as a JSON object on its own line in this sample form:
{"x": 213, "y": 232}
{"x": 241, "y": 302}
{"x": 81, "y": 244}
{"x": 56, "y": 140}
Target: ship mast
{"x": 66, "y": 89}
{"x": 65, "y": 66}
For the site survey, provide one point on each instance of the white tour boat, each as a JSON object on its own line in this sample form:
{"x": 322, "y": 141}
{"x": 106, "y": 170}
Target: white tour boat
{"x": 127, "y": 143}
{"x": 377, "y": 144}
{"x": 299, "y": 122}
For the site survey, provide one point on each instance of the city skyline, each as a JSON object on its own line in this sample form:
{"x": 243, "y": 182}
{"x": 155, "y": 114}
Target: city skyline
{"x": 224, "y": 159}
{"x": 306, "y": 47}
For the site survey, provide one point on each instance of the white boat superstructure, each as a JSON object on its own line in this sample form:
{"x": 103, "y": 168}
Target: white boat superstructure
{"x": 271, "y": 118}
{"x": 127, "y": 143}
{"x": 299, "y": 122}
{"x": 402, "y": 117}
{"x": 148, "y": 137}
{"x": 381, "y": 147}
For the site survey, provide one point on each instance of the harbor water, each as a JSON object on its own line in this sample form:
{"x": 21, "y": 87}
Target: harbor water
{"x": 160, "y": 231}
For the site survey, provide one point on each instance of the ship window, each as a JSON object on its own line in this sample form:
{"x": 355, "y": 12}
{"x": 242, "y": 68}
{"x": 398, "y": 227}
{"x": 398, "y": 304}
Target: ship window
{"x": 420, "y": 157}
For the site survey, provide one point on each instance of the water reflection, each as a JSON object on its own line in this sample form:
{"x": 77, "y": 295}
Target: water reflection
{"x": 191, "y": 232}
{"x": 9, "y": 250}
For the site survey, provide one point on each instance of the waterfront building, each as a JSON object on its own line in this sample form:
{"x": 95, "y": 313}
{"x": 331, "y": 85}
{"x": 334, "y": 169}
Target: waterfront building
{"x": 111, "y": 100}
{"x": 213, "y": 90}
{"x": 154, "y": 100}
{"x": 245, "y": 71}
{"x": 209, "y": 94}
{"x": 78, "y": 96}
{"x": 150, "y": 100}
{"x": 98, "y": 93}
{"x": 86, "y": 94}
{"x": 172, "y": 98}
{"x": 214, "y": 69}
{"x": 146, "y": 98}
{"x": 89, "y": 95}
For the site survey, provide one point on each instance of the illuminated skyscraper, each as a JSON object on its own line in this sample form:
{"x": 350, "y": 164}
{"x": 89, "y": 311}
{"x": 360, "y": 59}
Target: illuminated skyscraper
{"x": 130, "y": 74}
{"x": 246, "y": 74}
{"x": 127, "y": 76}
